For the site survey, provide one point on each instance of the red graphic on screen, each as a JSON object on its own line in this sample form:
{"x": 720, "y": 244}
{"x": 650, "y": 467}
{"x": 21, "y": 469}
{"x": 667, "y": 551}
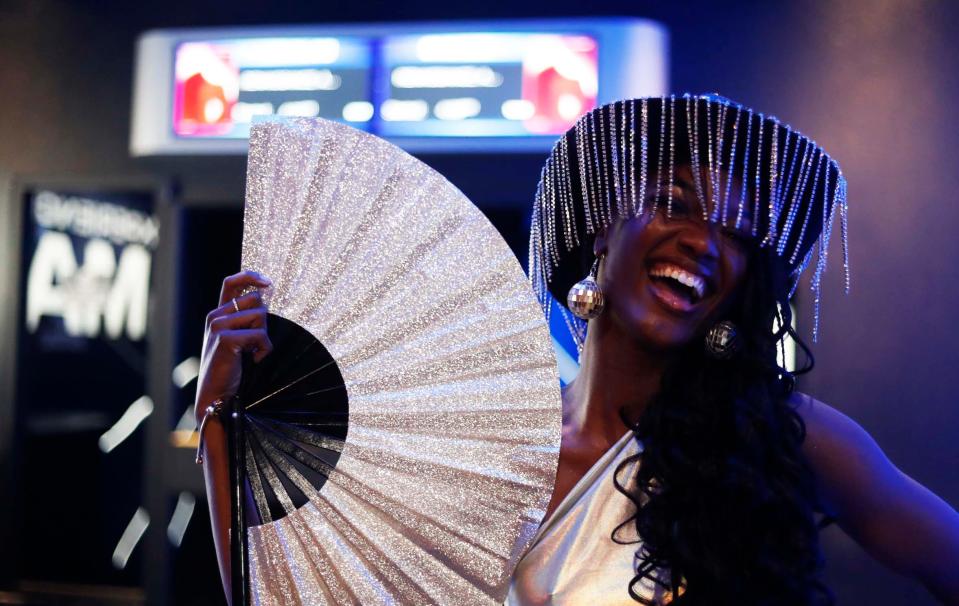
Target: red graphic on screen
{"x": 560, "y": 81}
{"x": 206, "y": 89}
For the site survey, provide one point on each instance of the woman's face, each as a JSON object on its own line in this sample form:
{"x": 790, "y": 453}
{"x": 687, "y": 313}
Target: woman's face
{"x": 668, "y": 279}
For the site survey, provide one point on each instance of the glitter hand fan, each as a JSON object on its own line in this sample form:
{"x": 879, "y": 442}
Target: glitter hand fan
{"x": 400, "y": 443}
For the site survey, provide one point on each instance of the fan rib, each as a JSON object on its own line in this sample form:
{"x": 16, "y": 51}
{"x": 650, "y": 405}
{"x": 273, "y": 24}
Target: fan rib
{"x": 443, "y": 585}
{"x": 256, "y": 485}
{"x": 372, "y": 217}
{"x": 369, "y": 560}
{"x": 268, "y": 465}
{"x": 288, "y": 385}
{"x": 290, "y": 449}
{"x": 419, "y": 324}
{"x": 307, "y": 488}
{"x": 267, "y": 572}
{"x": 313, "y": 439}
{"x": 443, "y": 541}
{"x": 329, "y": 580}
{"x": 392, "y": 277}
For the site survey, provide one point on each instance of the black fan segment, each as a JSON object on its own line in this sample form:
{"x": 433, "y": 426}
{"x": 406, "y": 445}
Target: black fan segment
{"x": 295, "y": 421}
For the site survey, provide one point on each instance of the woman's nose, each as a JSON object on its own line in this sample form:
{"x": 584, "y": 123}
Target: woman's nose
{"x": 700, "y": 240}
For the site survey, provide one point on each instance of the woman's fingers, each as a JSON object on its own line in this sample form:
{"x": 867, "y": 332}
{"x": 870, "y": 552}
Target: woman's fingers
{"x": 247, "y": 339}
{"x": 248, "y": 301}
{"x": 247, "y": 318}
{"x": 233, "y": 286}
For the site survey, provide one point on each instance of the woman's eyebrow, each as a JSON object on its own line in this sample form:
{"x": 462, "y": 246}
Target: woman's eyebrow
{"x": 685, "y": 186}
{"x": 681, "y": 182}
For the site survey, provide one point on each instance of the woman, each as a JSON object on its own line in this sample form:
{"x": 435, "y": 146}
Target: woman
{"x": 687, "y": 472}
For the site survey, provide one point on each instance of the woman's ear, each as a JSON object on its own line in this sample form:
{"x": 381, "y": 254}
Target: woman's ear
{"x": 601, "y": 242}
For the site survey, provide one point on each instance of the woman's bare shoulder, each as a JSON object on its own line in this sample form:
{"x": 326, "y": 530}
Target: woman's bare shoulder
{"x": 827, "y": 426}
{"x": 893, "y": 517}
{"x": 837, "y": 446}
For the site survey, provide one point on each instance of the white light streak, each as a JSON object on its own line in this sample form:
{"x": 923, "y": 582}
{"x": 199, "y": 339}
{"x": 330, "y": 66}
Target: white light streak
{"x": 441, "y": 76}
{"x": 273, "y": 52}
{"x": 186, "y": 371}
{"x": 789, "y": 360}
{"x": 567, "y": 365}
{"x": 518, "y": 109}
{"x": 308, "y": 108}
{"x": 182, "y": 514}
{"x": 457, "y": 109}
{"x": 131, "y": 536}
{"x": 255, "y": 80}
{"x": 244, "y": 112}
{"x": 131, "y": 419}
{"x": 394, "y": 110}
{"x": 463, "y": 48}
{"x": 358, "y": 111}
{"x": 187, "y": 421}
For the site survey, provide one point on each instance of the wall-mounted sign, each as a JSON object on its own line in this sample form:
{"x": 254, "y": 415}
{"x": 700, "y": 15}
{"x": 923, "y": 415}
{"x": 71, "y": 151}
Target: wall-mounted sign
{"x": 88, "y": 265}
{"x": 81, "y": 369}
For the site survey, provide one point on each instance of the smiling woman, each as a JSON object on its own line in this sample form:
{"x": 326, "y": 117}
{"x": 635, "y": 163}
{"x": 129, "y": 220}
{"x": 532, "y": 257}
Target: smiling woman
{"x": 690, "y": 470}
{"x": 673, "y": 271}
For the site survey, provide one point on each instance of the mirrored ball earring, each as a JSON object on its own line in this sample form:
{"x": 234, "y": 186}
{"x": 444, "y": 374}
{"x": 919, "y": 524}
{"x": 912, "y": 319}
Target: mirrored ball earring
{"x": 585, "y": 299}
{"x": 723, "y": 340}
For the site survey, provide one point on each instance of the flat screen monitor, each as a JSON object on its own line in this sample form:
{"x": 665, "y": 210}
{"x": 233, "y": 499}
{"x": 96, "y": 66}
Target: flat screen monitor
{"x": 430, "y": 87}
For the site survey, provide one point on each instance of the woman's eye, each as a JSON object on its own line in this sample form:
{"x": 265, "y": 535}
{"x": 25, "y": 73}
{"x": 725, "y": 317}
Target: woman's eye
{"x": 737, "y": 236}
{"x": 677, "y": 207}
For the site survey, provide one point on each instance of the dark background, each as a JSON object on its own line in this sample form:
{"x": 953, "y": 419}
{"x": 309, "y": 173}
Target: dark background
{"x": 875, "y": 82}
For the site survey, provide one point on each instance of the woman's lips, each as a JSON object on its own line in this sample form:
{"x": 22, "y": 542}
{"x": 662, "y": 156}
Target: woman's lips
{"x": 670, "y": 299}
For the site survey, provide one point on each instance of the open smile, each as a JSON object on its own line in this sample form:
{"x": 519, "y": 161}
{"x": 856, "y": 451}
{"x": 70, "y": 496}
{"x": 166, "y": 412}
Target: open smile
{"x": 678, "y": 289}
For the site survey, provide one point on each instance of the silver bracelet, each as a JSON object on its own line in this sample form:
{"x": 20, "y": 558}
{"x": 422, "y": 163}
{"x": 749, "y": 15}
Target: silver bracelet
{"x": 212, "y": 410}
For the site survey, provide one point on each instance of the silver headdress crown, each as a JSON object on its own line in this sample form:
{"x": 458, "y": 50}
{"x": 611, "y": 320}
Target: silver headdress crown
{"x": 600, "y": 170}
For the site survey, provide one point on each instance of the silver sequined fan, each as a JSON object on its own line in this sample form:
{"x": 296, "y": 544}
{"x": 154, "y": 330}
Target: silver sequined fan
{"x": 400, "y": 443}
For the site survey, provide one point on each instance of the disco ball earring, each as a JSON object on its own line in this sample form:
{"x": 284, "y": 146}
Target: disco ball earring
{"x": 723, "y": 341}
{"x": 585, "y": 299}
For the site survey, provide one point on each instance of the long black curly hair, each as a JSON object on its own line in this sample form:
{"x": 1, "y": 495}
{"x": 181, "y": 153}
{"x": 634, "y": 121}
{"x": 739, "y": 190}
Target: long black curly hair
{"x": 725, "y": 500}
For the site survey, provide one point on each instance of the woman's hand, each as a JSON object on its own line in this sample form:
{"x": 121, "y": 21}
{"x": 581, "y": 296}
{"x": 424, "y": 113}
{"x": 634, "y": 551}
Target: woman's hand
{"x": 238, "y": 325}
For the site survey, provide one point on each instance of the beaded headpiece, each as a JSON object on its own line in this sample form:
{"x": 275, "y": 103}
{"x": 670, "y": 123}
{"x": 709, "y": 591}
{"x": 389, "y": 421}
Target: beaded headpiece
{"x": 601, "y": 169}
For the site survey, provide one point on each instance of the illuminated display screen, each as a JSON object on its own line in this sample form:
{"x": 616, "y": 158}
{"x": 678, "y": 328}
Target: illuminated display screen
{"x": 469, "y": 84}
{"x": 219, "y": 86}
{"x": 486, "y": 84}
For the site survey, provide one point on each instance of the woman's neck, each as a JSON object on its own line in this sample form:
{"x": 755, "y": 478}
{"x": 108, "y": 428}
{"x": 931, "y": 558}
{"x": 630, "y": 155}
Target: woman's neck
{"x": 615, "y": 374}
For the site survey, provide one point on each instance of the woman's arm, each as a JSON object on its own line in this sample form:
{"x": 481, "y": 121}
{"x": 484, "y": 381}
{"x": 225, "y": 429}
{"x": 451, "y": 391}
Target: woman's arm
{"x": 238, "y": 325}
{"x": 896, "y": 519}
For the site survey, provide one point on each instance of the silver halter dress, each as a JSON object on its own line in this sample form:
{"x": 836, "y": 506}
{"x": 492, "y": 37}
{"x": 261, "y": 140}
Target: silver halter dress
{"x": 573, "y": 559}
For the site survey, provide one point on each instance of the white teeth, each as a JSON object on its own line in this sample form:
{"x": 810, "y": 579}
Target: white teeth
{"x": 683, "y": 277}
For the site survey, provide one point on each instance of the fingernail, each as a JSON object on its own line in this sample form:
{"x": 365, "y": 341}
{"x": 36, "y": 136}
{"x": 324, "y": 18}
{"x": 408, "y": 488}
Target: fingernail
{"x": 266, "y": 280}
